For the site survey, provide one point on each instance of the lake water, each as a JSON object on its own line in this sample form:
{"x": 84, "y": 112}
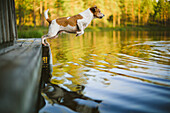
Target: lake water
{"x": 109, "y": 72}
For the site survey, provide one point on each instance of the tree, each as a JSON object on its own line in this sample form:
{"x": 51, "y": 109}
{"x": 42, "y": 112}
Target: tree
{"x": 132, "y": 12}
{"x": 147, "y": 9}
{"x": 116, "y": 11}
{"x": 139, "y": 11}
{"x": 163, "y": 11}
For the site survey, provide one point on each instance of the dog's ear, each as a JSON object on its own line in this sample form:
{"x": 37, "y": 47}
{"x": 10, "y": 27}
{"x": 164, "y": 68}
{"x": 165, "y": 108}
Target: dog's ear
{"x": 93, "y": 9}
{"x": 95, "y": 6}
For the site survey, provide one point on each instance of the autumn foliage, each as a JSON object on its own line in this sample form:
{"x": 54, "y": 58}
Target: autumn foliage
{"x": 117, "y": 12}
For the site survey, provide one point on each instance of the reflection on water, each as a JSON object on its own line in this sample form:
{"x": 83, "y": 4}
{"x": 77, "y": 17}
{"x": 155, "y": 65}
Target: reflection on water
{"x": 111, "y": 72}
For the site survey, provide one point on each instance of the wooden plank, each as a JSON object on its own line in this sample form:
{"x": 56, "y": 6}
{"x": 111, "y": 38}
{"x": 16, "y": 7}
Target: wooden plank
{"x": 1, "y": 39}
{"x": 20, "y": 69}
{"x": 3, "y": 21}
{"x": 14, "y": 19}
{"x": 8, "y": 28}
{"x": 11, "y": 22}
{"x": 6, "y": 20}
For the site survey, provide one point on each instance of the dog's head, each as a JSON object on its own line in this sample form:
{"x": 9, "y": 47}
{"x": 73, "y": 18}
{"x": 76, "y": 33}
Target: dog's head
{"x": 96, "y": 12}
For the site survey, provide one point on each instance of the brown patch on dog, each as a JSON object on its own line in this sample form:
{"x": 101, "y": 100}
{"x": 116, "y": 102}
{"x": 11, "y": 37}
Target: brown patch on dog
{"x": 49, "y": 21}
{"x": 72, "y": 21}
{"x": 95, "y": 11}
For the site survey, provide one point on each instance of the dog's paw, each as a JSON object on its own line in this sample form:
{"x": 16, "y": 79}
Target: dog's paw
{"x": 79, "y": 32}
{"x": 78, "y": 35}
{"x": 44, "y": 44}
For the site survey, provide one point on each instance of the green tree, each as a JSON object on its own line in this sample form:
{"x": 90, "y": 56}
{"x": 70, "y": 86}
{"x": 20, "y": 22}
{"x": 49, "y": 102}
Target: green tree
{"x": 139, "y": 11}
{"x": 147, "y": 9}
{"x": 21, "y": 11}
{"x": 163, "y": 11}
{"x": 117, "y": 12}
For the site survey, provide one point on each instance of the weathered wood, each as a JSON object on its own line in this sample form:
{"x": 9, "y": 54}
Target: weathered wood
{"x": 6, "y": 3}
{"x": 0, "y": 26}
{"x": 8, "y": 29}
{"x": 14, "y": 20}
{"x": 20, "y": 71}
{"x": 47, "y": 64}
{"x": 3, "y": 33}
{"x": 11, "y": 22}
{"x": 20, "y": 65}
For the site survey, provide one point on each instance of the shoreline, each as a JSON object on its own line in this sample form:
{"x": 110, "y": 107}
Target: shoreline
{"x": 31, "y": 32}
{"x": 130, "y": 28}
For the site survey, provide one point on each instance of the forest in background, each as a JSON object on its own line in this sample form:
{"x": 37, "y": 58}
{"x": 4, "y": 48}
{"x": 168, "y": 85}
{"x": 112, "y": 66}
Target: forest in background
{"x": 117, "y": 12}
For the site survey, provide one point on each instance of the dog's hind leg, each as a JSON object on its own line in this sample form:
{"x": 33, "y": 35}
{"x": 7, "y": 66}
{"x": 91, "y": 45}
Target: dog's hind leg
{"x": 45, "y": 37}
{"x": 52, "y": 33}
{"x": 43, "y": 40}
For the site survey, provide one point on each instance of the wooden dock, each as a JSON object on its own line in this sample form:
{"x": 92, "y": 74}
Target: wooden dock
{"x": 20, "y": 76}
{"x": 20, "y": 65}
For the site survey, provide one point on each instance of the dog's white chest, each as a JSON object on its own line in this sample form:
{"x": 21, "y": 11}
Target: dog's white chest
{"x": 87, "y": 18}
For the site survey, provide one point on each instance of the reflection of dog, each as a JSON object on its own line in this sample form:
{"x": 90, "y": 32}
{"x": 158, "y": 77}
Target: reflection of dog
{"x": 73, "y": 100}
{"x": 74, "y": 24}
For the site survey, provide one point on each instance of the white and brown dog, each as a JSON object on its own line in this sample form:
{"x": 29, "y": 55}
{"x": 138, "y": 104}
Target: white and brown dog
{"x": 74, "y": 24}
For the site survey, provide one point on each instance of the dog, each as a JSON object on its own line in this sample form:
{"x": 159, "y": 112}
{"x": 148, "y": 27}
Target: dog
{"x": 74, "y": 24}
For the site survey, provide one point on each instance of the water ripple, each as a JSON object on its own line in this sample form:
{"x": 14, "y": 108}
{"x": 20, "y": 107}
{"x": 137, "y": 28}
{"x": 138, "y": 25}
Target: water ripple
{"x": 118, "y": 68}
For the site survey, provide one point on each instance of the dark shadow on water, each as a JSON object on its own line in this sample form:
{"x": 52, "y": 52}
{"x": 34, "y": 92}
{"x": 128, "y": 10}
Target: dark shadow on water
{"x": 54, "y": 99}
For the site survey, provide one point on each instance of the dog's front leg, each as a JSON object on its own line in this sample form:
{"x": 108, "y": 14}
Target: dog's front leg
{"x": 80, "y": 25}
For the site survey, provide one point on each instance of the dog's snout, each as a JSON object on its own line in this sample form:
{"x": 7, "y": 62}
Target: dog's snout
{"x": 102, "y": 16}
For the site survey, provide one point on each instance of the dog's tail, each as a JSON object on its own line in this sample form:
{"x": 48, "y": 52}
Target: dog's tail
{"x": 46, "y": 16}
